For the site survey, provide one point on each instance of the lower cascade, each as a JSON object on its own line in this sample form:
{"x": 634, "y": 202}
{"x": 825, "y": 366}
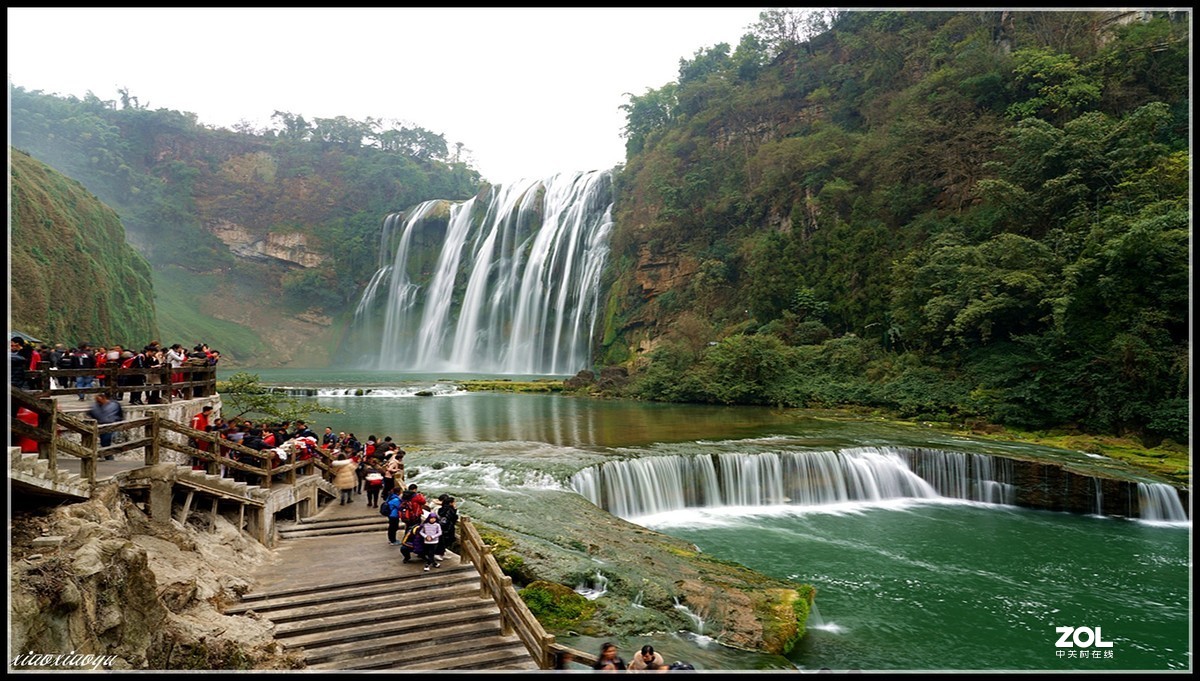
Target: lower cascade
{"x": 646, "y": 486}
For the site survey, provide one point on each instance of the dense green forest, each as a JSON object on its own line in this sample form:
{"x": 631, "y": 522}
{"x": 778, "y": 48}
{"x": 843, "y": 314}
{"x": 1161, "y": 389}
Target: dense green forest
{"x": 978, "y": 216}
{"x": 952, "y": 215}
{"x": 59, "y": 232}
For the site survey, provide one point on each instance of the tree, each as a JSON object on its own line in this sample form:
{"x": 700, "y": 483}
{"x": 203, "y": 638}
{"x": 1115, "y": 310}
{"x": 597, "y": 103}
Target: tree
{"x": 245, "y": 394}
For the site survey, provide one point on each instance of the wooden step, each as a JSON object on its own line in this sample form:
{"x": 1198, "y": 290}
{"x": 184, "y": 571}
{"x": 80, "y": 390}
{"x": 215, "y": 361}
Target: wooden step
{"x": 326, "y": 592}
{"x": 384, "y": 650}
{"x": 386, "y": 629}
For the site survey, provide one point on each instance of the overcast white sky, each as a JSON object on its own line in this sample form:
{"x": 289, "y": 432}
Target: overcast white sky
{"x": 529, "y": 92}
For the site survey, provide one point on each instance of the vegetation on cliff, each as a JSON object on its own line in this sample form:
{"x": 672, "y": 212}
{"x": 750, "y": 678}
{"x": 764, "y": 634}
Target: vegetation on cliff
{"x": 72, "y": 276}
{"x": 289, "y": 215}
{"x": 952, "y": 215}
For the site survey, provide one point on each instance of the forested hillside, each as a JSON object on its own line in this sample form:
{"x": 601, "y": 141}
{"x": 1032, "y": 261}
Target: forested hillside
{"x": 73, "y": 278}
{"x": 976, "y": 216}
{"x": 258, "y": 238}
{"x": 955, "y": 215}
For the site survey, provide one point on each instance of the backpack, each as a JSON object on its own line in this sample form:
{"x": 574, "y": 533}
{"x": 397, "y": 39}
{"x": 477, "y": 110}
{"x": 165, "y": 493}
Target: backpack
{"x": 410, "y": 511}
{"x": 385, "y": 509}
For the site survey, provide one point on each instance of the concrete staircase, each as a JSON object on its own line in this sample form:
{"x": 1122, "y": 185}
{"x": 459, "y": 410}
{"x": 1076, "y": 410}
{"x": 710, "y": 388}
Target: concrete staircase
{"x": 33, "y": 475}
{"x": 348, "y": 602}
{"x": 316, "y": 527}
{"x": 221, "y": 486}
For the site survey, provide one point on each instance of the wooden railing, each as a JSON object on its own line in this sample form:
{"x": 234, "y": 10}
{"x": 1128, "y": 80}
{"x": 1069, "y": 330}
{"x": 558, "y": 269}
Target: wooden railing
{"x": 256, "y": 466}
{"x": 515, "y": 616}
{"x": 198, "y": 381}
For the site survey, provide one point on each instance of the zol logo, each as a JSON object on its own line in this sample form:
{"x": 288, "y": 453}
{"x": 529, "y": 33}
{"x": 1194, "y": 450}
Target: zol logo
{"x": 1082, "y": 637}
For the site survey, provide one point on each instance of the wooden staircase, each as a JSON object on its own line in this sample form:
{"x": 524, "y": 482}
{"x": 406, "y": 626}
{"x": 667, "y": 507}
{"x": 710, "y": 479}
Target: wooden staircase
{"x": 375, "y": 612}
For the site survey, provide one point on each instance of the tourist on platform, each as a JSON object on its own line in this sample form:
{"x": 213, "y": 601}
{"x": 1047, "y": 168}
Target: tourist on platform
{"x": 431, "y": 536}
{"x": 176, "y": 356}
{"x": 608, "y": 659}
{"x": 106, "y": 411}
{"x": 18, "y": 363}
{"x": 373, "y": 482}
{"x": 302, "y": 430}
{"x": 448, "y": 517}
{"x": 412, "y": 498}
{"x": 329, "y": 439}
{"x": 136, "y": 360}
{"x": 84, "y": 360}
{"x": 360, "y": 471}
{"x": 646, "y": 659}
{"x": 201, "y": 422}
{"x": 393, "y": 508}
{"x": 343, "y": 478}
{"x": 393, "y": 472}
{"x": 99, "y": 359}
{"x": 57, "y": 355}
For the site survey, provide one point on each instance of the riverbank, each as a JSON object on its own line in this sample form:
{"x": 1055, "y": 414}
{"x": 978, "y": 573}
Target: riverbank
{"x": 1169, "y": 460}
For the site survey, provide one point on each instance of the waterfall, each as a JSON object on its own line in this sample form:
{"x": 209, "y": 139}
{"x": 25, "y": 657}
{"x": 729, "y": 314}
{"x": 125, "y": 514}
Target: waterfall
{"x": 645, "y": 486}
{"x": 596, "y": 589}
{"x": 1159, "y": 501}
{"x": 697, "y": 621}
{"x": 506, "y": 282}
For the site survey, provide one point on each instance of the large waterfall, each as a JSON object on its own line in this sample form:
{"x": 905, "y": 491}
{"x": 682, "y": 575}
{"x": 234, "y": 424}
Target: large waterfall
{"x": 506, "y": 282}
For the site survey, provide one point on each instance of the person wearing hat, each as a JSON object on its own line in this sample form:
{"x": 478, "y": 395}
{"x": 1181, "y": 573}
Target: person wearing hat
{"x": 646, "y": 659}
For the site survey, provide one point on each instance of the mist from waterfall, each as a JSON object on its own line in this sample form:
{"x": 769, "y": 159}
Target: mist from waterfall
{"x": 507, "y": 282}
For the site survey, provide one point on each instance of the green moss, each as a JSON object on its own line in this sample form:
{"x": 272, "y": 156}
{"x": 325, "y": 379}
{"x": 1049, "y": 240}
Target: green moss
{"x": 504, "y": 385}
{"x": 556, "y": 606}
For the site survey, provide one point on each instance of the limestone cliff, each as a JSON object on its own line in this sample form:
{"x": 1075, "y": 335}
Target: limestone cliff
{"x": 98, "y": 578}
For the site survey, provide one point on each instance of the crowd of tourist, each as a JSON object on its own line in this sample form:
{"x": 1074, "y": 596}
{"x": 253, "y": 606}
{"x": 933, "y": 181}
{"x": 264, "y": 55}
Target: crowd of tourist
{"x": 26, "y": 357}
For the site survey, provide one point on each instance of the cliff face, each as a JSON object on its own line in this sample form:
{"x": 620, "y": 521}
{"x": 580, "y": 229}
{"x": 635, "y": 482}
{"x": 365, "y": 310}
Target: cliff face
{"x": 73, "y": 277}
{"x": 131, "y": 594}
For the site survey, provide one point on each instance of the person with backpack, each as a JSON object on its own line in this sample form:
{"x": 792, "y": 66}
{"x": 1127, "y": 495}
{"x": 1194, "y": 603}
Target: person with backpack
{"x": 373, "y": 482}
{"x": 412, "y": 543}
{"x": 412, "y": 507}
{"x": 391, "y": 509}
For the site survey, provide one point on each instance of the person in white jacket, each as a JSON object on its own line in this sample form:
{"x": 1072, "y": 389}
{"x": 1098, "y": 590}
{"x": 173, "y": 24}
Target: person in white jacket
{"x": 431, "y": 533}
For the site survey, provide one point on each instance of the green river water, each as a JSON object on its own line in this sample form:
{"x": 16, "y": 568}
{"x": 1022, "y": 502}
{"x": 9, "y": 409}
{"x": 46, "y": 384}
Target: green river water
{"x": 931, "y": 584}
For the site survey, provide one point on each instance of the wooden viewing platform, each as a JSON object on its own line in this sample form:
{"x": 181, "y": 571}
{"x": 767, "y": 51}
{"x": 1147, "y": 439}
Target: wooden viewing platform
{"x": 341, "y": 594}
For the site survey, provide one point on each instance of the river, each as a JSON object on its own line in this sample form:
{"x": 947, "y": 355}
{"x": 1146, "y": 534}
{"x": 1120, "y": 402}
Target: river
{"x": 906, "y": 581}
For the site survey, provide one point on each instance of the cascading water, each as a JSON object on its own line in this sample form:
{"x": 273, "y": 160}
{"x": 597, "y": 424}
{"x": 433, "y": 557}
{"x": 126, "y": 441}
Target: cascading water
{"x": 1160, "y": 502}
{"x": 646, "y": 486}
{"x": 637, "y": 487}
{"x": 506, "y": 282}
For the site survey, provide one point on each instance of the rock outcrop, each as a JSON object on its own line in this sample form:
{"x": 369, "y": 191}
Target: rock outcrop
{"x": 134, "y": 594}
